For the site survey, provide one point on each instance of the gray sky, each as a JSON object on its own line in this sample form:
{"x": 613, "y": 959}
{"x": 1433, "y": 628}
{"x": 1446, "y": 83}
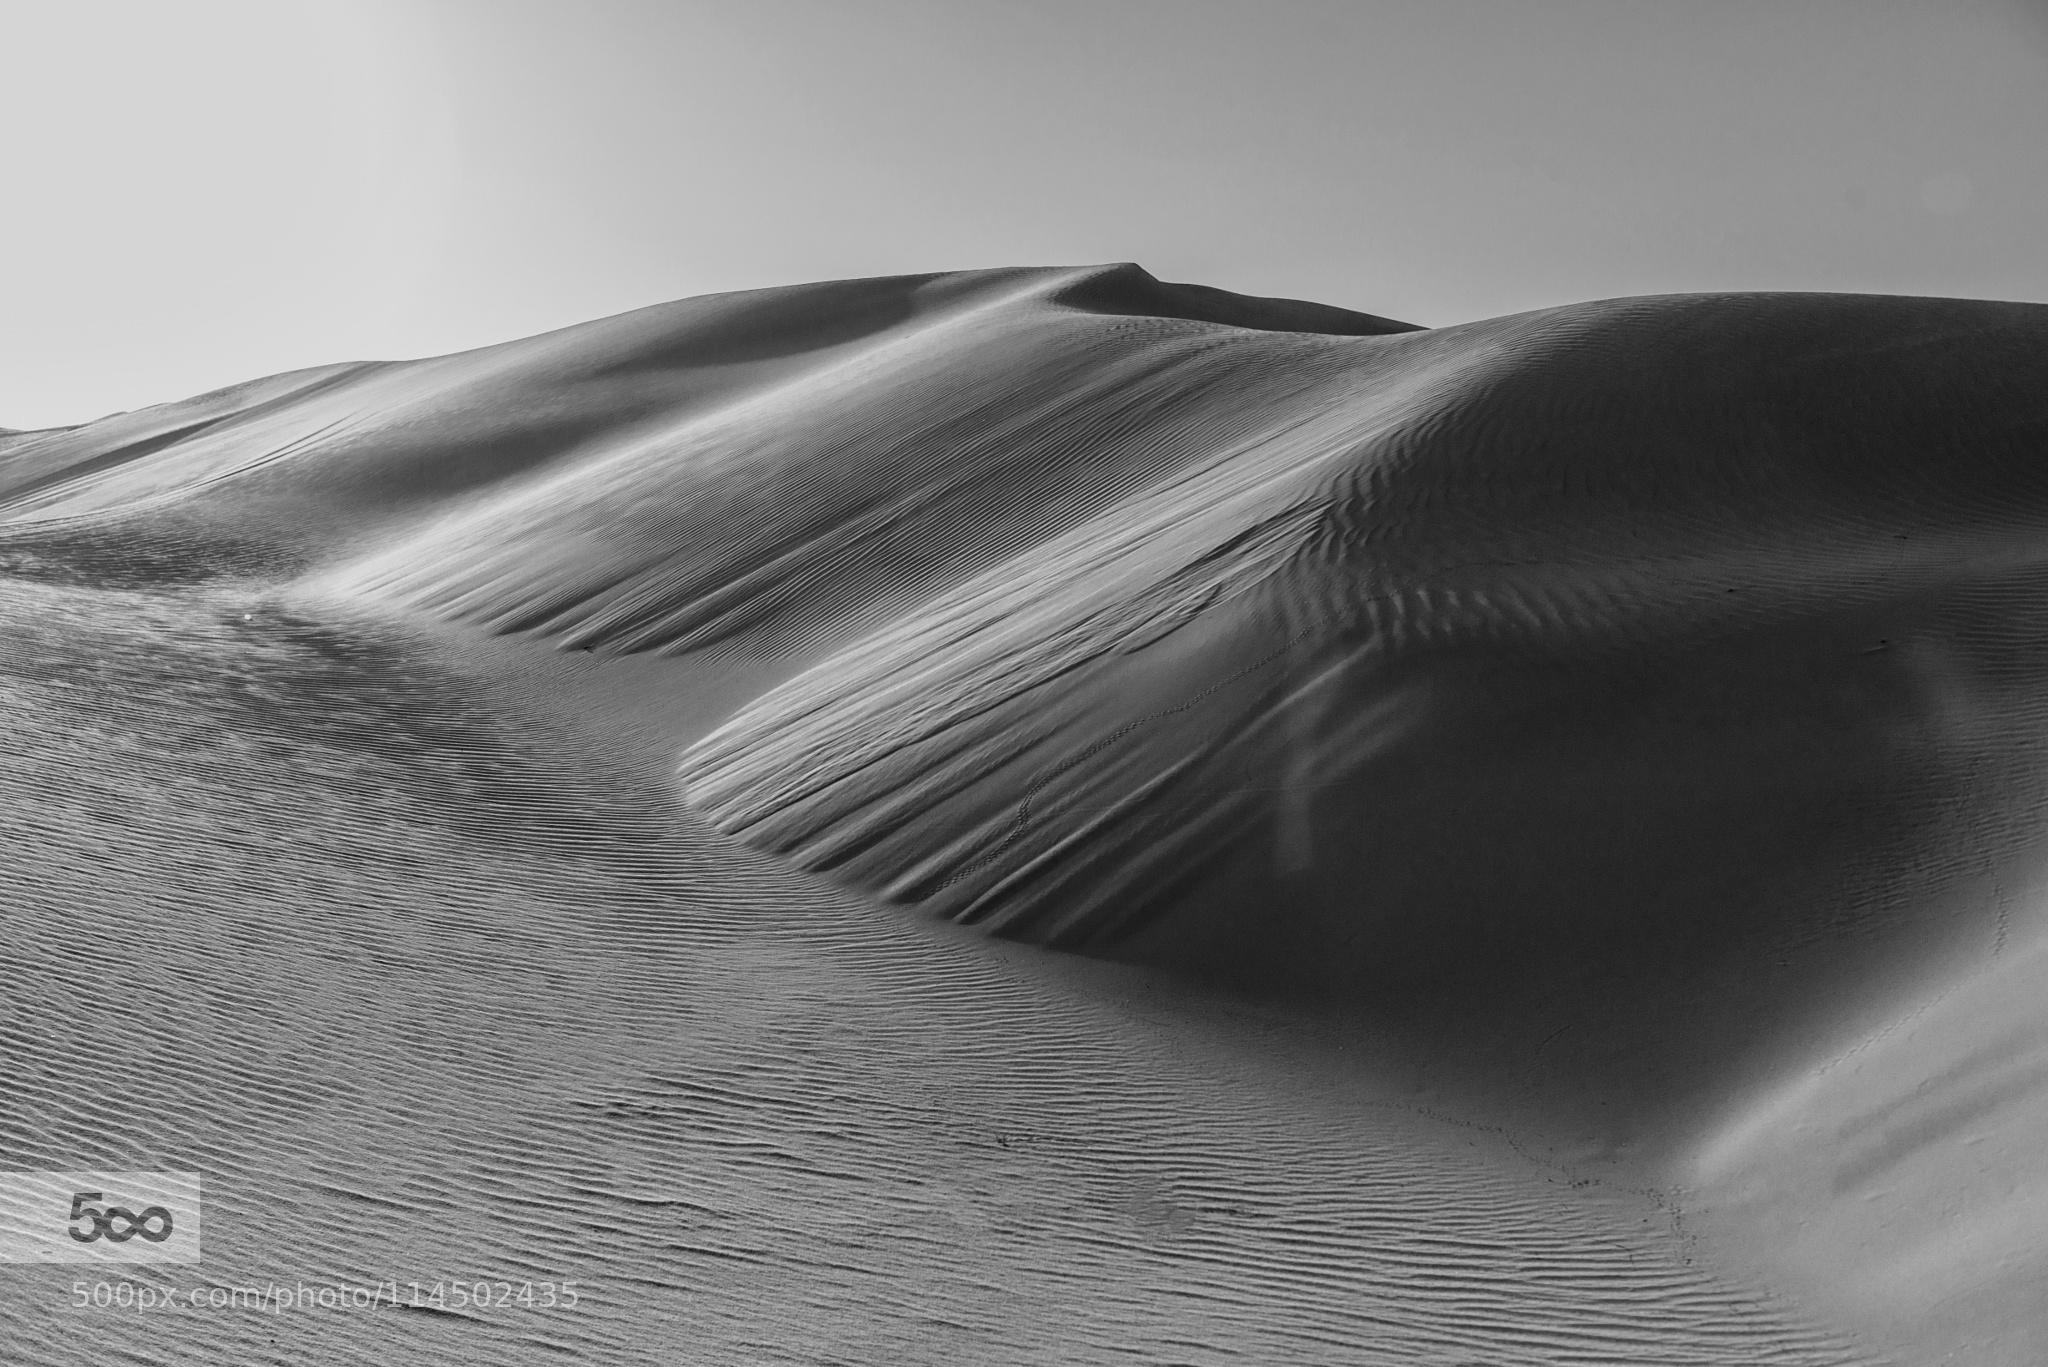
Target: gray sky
{"x": 202, "y": 192}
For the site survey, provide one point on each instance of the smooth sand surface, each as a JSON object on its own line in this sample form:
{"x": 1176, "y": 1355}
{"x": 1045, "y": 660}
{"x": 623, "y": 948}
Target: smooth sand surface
{"x": 1044, "y": 816}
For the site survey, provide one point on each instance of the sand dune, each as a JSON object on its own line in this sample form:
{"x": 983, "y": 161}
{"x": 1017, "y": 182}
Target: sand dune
{"x": 1547, "y": 809}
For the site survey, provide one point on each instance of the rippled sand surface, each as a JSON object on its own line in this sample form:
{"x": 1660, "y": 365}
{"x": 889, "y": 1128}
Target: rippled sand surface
{"x": 1546, "y": 810}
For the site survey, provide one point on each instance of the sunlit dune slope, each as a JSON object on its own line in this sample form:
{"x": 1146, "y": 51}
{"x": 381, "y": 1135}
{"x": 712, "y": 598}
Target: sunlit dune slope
{"x": 641, "y": 414}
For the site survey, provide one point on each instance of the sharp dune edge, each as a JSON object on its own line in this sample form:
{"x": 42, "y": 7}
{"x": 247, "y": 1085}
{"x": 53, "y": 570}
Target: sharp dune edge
{"x": 1548, "y": 810}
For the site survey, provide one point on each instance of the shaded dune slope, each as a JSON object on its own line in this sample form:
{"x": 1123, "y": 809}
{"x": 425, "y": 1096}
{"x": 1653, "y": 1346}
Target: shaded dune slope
{"x": 1564, "y": 669}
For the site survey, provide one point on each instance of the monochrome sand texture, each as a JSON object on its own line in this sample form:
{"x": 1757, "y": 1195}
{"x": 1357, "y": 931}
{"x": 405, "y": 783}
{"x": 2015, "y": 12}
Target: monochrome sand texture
{"x": 1046, "y": 816}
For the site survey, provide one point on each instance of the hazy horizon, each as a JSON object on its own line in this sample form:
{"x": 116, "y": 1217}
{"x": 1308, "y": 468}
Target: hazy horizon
{"x": 235, "y": 189}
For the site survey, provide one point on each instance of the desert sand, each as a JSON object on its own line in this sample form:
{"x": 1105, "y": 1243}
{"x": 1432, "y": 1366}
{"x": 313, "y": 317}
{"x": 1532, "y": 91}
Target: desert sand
{"x": 1047, "y": 816}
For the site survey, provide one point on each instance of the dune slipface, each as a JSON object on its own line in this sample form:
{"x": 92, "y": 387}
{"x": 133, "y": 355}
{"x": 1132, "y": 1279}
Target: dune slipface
{"x": 1547, "y": 810}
